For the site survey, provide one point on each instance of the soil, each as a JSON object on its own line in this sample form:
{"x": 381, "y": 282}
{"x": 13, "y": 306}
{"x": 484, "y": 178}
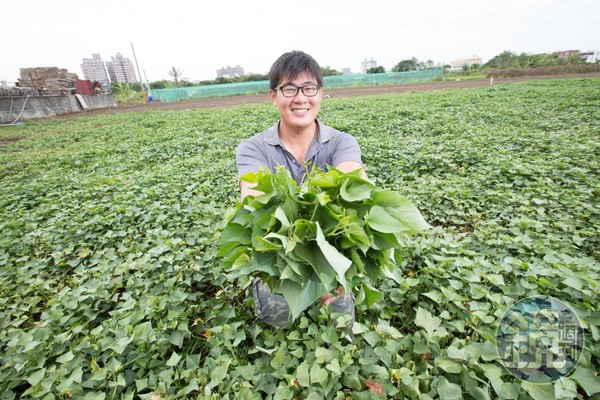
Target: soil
{"x": 230, "y": 101}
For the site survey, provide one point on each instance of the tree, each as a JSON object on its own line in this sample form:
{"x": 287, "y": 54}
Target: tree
{"x": 175, "y": 74}
{"x": 575, "y": 60}
{"x": 406, "y": 65}
{"x": 128, "y": 93}
{"x": 376, "y": 70}
{"x": 125, "y": 87}
{"x": 506, "y": 59}
{"x": 328, "y": 71}
{"x": 522, "y": 61}
{"x": 254, "y": 77}
{"x": 158, "y": 84}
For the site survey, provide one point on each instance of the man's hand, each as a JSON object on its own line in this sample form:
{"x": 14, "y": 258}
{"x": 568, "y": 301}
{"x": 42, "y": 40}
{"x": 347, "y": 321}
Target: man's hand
{"x": 246, "y": 189}
{"x": 329, "y": 298}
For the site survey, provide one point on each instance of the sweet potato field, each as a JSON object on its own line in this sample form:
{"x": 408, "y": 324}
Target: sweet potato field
{"x": 110, "y": 287}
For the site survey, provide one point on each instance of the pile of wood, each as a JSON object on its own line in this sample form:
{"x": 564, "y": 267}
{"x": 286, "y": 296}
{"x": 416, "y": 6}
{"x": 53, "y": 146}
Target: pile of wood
{"x": 12, "y": 91}
{"x": 48, "y": 80}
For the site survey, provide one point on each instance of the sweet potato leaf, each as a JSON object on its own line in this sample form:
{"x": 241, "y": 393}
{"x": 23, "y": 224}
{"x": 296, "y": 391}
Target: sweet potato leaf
{"x": 315, "y": 234}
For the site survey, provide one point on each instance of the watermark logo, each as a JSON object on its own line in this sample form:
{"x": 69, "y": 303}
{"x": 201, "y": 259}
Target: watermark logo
{"x": 540, "y": 339}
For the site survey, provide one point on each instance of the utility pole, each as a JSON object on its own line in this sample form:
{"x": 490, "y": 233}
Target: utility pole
{"x": 148, "y": 87}
{"x": 137, "y": 66}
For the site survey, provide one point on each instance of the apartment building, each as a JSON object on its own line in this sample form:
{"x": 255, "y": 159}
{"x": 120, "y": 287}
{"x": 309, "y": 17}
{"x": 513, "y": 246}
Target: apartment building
{"x": 120, "y": 69}
{"x": 366, "y": 65}
{"x": 94, "y": 69}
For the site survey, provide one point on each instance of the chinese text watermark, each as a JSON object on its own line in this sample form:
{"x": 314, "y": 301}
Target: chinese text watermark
{"x": 540, "y": 339}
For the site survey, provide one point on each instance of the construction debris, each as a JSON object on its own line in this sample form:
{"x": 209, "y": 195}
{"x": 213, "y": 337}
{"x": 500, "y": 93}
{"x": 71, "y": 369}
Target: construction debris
{"x": 48, "y": 80}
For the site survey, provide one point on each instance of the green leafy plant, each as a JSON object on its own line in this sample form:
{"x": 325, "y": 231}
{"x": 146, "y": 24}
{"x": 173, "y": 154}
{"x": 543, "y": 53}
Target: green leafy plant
{"x": 336, "y": 229}
{"x": 127, "y": 94}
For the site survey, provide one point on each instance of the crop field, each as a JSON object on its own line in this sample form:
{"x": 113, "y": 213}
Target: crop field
{"x": 110, "y": 287}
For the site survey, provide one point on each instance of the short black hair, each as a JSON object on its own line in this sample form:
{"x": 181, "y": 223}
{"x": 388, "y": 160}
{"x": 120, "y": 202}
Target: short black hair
{"x": 291, "y": 64}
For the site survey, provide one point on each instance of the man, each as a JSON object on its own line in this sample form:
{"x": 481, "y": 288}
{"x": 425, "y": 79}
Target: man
{"x": 298, "y": 141}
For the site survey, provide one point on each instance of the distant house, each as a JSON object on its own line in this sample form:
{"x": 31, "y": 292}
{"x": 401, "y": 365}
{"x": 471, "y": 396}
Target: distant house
{"x": 565, "y": 53}
{"x": 230, "y": 72}
{"x": 457, "y": 65}
{"x": 587, "y": 56}
{"x": 590, "y": 56}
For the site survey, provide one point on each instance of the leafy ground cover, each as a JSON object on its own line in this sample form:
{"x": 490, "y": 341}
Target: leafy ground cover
{"x": 109, "y": 227}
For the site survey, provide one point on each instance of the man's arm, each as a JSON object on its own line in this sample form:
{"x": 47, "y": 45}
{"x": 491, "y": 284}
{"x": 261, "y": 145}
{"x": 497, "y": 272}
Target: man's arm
{"x": 250, "y": 156}
{"x": 349, "y": 166}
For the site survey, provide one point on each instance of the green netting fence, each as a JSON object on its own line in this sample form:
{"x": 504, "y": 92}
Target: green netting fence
{"x": 258, "y": 87}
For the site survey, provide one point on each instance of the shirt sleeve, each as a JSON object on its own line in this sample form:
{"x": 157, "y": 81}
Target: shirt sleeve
{"x": 346, "y": 149}
{"x": 250, "y": 157}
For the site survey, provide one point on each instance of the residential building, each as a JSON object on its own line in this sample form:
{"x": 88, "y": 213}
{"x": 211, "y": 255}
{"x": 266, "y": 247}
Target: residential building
{"x": 94, "y": 69}
{"x": 590, "y": 56}
{"x": 366, "y": 65}
{"x": 230, "y": 72}
{"x": 566, "y": 53}
{"x": 459, "y": 64}
{"x": 120, "y": 69}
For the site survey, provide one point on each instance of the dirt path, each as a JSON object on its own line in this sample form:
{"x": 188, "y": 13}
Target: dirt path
{"x": 230, "y": 101}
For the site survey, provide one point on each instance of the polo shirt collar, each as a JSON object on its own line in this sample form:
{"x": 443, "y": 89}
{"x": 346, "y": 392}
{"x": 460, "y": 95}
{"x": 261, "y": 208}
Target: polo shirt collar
{"x": 324, "y": 134}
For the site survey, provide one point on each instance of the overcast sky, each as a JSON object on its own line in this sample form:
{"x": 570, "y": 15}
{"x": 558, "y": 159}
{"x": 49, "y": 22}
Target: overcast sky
{"x": 199, "y": 37}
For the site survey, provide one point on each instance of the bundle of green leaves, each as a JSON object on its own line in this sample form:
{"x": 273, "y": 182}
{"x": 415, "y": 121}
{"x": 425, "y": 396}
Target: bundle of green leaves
{"x": 336, "y": 229}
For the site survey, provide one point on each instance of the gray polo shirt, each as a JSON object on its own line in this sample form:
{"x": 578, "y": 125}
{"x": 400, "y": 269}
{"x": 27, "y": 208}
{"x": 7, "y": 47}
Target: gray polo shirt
{"x": 331, "y": 147}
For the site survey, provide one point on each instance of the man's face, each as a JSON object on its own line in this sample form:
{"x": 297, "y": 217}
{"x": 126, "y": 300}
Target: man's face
{"x": 298, "y": 111}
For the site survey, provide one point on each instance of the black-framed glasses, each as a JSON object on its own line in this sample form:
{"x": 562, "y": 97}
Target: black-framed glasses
{"x": 292, "y": 90}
